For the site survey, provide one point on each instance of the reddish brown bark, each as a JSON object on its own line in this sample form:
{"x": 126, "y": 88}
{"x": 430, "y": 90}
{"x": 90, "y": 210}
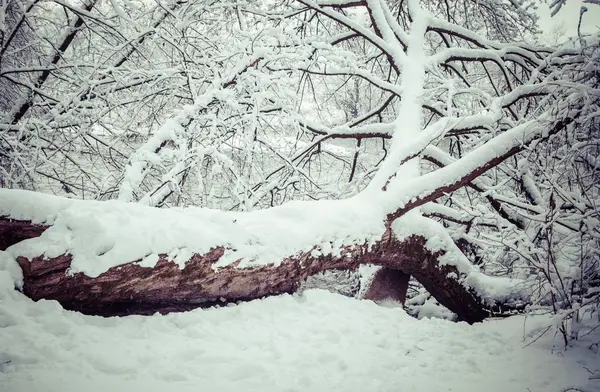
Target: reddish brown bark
{"x": 13, "y": 231}
{"x": 388, "y": 284}
{"x": 133, "y": 289}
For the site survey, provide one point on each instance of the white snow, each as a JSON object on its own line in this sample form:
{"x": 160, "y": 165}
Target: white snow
{"x": 431, "y": 309}
{"x": 314, "y": 342}
{"x": 103, "y": 234}
{"x": 33, "y": 206}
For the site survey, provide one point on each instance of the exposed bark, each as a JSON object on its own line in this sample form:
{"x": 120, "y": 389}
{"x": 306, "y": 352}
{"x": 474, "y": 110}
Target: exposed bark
{"x": 133, "y": 289}
{"x": 388, "y": 284}
{"x": 13, "y": 231}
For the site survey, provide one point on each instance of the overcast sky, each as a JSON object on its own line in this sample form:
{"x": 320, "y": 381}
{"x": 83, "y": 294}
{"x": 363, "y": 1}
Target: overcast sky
{"x": 569, "y": 17}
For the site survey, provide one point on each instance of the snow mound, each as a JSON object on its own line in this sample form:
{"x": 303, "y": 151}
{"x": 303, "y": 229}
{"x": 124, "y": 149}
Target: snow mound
{"x": 318, "y": 341}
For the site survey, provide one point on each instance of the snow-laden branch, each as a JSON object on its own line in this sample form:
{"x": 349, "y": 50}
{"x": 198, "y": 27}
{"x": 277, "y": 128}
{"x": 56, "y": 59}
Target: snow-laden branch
{"x": 408, "y": 122}
{"x": 380, "y": 43}
{"x": 174, "y": 130}
{"x": 428, "y": 187}
{"x": 63, "y": 43}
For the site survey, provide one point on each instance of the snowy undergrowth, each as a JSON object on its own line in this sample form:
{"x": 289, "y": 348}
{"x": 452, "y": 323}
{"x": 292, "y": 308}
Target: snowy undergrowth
{"x": 318, "y": 341}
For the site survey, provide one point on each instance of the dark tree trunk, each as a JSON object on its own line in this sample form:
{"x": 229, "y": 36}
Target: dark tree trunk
{"x": 13, "y": 231}
{"x": 133, "y": 289}
{"x": 388, "y": 284}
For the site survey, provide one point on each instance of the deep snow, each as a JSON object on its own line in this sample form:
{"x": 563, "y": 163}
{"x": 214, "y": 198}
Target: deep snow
{"x": 317, "y": 341}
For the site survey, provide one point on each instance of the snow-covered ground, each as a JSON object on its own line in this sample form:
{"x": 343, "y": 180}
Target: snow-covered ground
{"x": 316, "y": 341}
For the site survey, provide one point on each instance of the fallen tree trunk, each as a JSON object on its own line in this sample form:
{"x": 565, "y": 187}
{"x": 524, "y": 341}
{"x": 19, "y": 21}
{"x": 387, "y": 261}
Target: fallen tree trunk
{"x": 133, "y": 289}
{"x": 13, "y": 231}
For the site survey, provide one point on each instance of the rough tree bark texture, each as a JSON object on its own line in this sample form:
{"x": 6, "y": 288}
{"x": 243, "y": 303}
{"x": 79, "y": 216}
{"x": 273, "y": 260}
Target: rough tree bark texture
{"x": 132, "y": 289}
{"x": 13, "y": 231}
{"x": 388, "y": 284}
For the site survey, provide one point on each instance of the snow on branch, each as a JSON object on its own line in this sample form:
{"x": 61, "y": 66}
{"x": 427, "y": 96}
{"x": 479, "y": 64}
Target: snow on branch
{"x": 173, "y": 130}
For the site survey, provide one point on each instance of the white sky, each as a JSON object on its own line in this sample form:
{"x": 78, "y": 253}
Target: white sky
{"x": 568, "y": 17}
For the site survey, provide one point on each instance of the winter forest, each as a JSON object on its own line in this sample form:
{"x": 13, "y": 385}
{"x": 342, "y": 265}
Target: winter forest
{"x": 299, "y": 195}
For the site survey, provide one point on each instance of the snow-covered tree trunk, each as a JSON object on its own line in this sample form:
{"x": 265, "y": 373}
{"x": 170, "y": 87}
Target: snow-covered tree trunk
{"x": 132, "y": 288}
